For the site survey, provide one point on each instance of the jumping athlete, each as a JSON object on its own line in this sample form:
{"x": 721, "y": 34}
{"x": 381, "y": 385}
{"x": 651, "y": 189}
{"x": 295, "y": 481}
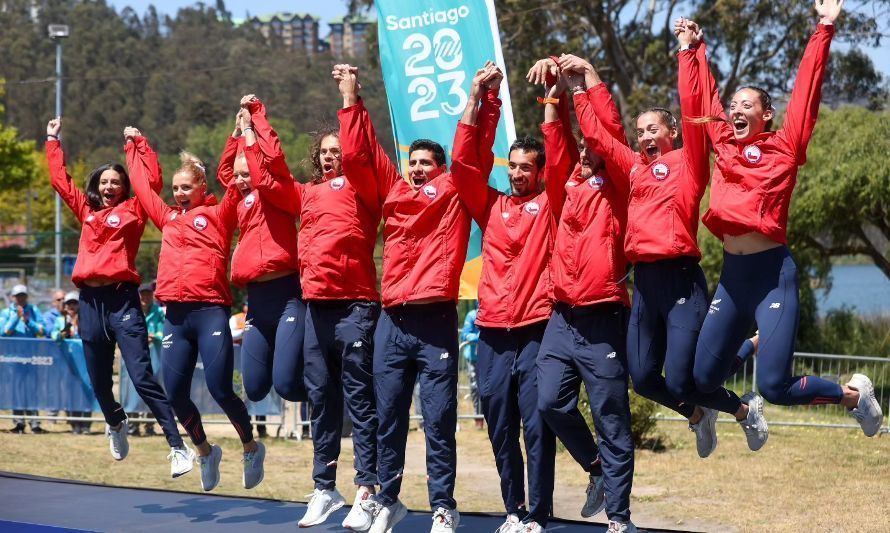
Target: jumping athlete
{"x": 426, "y": 231}
{"x": 670, "y": 292}
{"x": 751, "y": 191}
{"x": 265, "y": 259}
{"x": 338, "y": 231}
{"x": 110, "y": 311}
{"x": 585, "y": 339}
{"x": 514, "y": 290}
{"x": 196, "y": 238}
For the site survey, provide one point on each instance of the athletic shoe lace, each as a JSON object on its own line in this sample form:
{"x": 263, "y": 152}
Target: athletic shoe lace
{"x": 249, "y": 457}
{"x": 445, "y": 516}
{"x": 615, "y": 527}
{"x": 371, "y": 506}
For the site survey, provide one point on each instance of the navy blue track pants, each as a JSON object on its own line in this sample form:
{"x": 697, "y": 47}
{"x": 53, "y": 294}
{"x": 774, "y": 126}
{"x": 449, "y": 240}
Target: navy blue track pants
{"x": 338, "y": 350}
{"x": 759, "y": 288}
{"x": 670, "y": 302}
{"x": 508, "y": 383}
{"x": 112, "y": 314}
{"x": 272, "y": 345}
{"x": 588, "y": 343}
{"x": 193, "y": 328}
{"x": 417, "y": 343}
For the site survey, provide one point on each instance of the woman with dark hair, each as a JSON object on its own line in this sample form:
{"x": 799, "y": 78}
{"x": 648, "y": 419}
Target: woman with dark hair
{"x": 105, "y": 272}
{"x": 192, "y": 281}
{"x": 755, "y": 174}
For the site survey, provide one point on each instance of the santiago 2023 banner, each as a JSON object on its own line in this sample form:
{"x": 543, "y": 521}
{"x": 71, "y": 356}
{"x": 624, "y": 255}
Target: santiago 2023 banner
{"x": 429, "y": 52}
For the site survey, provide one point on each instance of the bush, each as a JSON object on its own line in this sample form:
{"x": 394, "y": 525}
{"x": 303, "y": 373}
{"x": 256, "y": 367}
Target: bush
{"x": 642, "y": 426}
{"x": 844, "y": 332}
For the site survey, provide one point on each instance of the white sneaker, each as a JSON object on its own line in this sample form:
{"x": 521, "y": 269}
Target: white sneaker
{"x": 445, "y": 520}
{"x": 705, "y": 432}
{"x": 385, "y": 518}
{"x": 253, "y": 466}
{"x": 596, "y": 496}
{"x": 754, "y": 426}
{"x": 210, "y": 468}
{"x": 321, "y": 504}
{"x": 117, "y": 441}
{"x": 182, "y": 460}
{"x": 532, "y": 527}
{"x": 359, "y": 518}
{"x": 621, "y": 527}
{"x": 512, "y": 525}
{"x": 868, "y": 412}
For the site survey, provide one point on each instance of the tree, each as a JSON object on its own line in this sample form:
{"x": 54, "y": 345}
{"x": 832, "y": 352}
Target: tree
{"x": 16, "y": 159}
{"x": 840, "y": 206}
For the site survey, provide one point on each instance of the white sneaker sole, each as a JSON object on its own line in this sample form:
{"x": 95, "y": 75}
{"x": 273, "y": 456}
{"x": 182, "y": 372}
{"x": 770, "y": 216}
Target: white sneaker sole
{"x": 711, "y": 427}
{"x": 184, "y": 472}
{"x": 331, "y": 510}
{"x": 867, "y": 389}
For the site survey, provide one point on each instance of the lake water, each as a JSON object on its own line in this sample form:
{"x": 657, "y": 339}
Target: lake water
{"x": 863, "y": 287}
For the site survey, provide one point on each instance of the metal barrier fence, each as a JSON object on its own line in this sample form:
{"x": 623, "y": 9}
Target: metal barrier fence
{"x": 835, "y": 368}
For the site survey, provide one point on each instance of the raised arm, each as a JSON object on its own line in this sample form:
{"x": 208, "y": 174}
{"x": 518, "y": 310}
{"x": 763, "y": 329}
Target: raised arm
{"x": 489, "y": 116}
{"x": 559, "y": 145}
{"x": 143, "y": 172}
{"x": 803, "y": 105}
{"x": 225, "y": 171}
{"x": 155, "y": 177}
{"x": 363, "y": 157}
{"x": 600, "y": 140}
{"x": 695, "y": 141}
{"x": 61, "y": 181}
{"x": 276, "y": 189}
{"x": 718, "y": 129}
{"x": 267, "y": 138}
{"x": 227, "y": 209}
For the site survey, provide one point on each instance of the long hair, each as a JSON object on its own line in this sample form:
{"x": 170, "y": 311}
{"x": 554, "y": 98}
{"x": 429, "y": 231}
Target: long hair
{"x": 92, "y": 189}
{"x": 315, "y": 149}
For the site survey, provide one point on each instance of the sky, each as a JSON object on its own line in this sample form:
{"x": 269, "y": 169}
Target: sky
{"x": 329, "y": 9}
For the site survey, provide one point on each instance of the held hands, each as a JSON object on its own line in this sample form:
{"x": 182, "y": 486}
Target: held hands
{"x": 576, "y": 71}
{"x": 539, "y": 72}
{"x": 688, "y": 32}
{"x": 248, "y": 99}
{"x": 346, "y": 77}
{"x": 828, "y": 10}
{"x": 130, "y": 133}
{"x": 53, "y": 127}
{"x": 488, "y": 78}
{"x": 243, "y": 121}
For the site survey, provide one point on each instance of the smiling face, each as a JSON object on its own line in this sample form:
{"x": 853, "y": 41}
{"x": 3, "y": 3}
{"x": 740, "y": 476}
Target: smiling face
{"x": 749, "y": 114}
{"x": 241, "y": 173}
{"x": 523, "y": 171}
{"x": 654, "y": 135}
{"x": 188, "y": 191}
{"x": 329, "y": 157}
{"x": 111, "y": 188}
{"x": 422, "y": 167}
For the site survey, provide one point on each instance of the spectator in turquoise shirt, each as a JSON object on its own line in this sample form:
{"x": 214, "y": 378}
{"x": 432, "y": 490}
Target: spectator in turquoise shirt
{"x": 23, "y": 320}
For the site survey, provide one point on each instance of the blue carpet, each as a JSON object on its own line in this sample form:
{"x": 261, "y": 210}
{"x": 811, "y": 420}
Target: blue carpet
{"x": 31, "y": 504}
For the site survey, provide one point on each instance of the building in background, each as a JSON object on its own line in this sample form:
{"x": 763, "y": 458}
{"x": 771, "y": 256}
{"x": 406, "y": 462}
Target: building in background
{"x": 348, "y": 37}
{"x": 296, "y": 30}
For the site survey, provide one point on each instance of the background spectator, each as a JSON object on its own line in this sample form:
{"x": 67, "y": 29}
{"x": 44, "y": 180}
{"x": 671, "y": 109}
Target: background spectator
{"x": 23, "y": 320}
{"x": 470, "y": 333}
{"x": 66, "y": 327}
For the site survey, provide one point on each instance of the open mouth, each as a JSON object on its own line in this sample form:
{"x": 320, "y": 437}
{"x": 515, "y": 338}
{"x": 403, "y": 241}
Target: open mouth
{"x": 739, "y": 124}
{"x": 109, "y": 197}
{"x": 327, "y": 167}
{"x": 418, "y": 180}
{"x": 651, "y": 150}
{"x": 184, "y": 204}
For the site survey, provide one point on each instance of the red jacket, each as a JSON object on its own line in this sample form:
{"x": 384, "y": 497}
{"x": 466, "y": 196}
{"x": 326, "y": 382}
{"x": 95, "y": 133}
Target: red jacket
{"x": 110, "y": 236}
{"x": 195, "y": 243}
{"x": 425, "y": 231}
{"x": 267, "y": 215}
{"x": 588, "y": 264}
{"x": 517, "y": 232}
{"x": 665, "y": 193}
{"x": 338, "y": 232}
{"x": 752, "y": 183}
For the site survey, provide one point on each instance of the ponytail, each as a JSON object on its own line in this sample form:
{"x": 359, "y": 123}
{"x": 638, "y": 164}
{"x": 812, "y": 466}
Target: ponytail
{"x": 766, "y": 102}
